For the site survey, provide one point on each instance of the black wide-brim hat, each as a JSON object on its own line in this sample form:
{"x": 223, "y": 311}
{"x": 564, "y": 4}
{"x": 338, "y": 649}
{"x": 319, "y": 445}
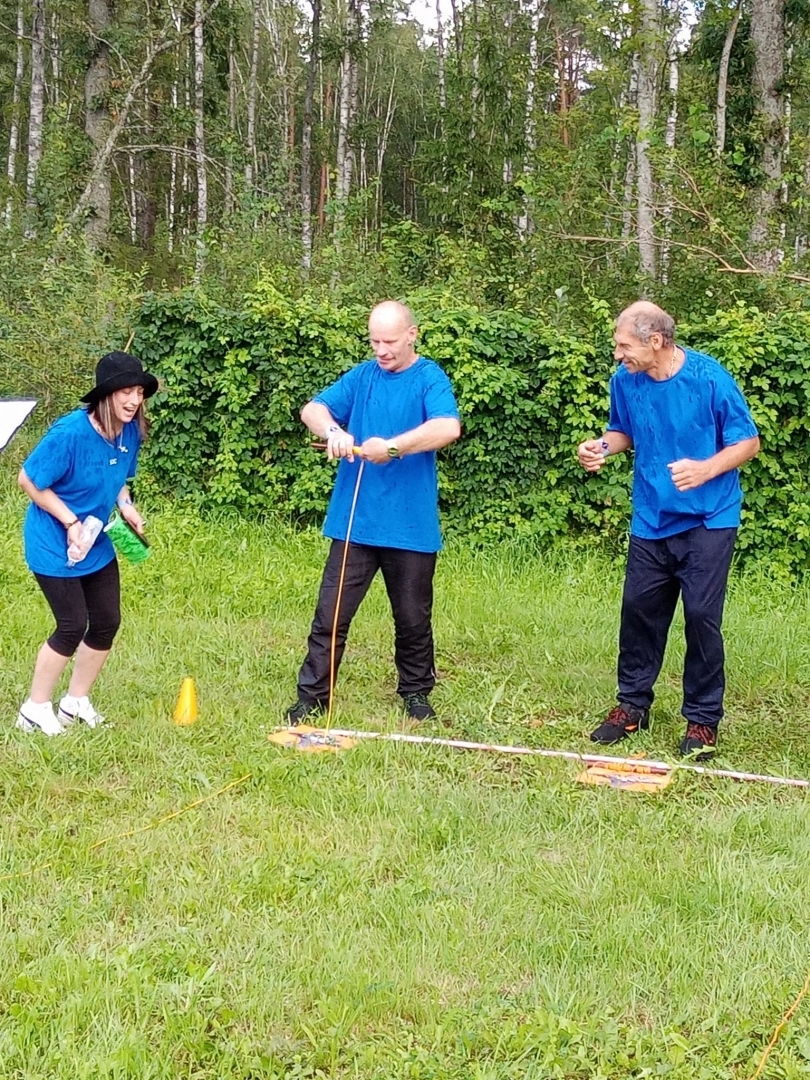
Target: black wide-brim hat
{"x": 117, "y": 371}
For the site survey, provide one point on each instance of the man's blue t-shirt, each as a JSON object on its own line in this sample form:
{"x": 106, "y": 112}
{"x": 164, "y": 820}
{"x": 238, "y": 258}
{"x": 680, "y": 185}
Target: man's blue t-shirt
{"x": 695, "y": 414}
{"x": 87, "y": 472}
{"x": 397, "y": 505}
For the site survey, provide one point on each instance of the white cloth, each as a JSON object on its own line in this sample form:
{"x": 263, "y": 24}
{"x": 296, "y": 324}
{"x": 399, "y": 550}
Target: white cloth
{"x": 13, "y": 415}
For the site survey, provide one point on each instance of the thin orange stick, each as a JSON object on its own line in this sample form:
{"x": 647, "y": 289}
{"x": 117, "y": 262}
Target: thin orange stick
{"x": 780, "y": 1027}
{"x": 339, "y": 597}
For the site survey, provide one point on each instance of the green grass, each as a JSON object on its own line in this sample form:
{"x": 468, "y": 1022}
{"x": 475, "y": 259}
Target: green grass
{"x": 396, "y": 911}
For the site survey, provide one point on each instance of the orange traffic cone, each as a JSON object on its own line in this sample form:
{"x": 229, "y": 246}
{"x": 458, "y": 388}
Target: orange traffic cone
{"x": 185, "y": 711}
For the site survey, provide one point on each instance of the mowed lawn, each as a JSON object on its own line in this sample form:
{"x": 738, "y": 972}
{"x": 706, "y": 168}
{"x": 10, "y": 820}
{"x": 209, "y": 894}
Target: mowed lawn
{"x": 395, "y": 911}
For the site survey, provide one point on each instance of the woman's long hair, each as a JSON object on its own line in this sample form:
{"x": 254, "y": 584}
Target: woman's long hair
{"x": 105, "y": 418}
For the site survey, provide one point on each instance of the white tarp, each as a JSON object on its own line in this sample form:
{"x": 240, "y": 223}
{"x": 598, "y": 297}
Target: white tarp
{"x": 13, "y": 415}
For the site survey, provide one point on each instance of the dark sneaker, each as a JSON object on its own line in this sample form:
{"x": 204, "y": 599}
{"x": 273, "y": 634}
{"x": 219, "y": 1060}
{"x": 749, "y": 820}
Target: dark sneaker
{"x": 699, "y": 743}
{"x": 304, "y": 709}
{"x": 418, "y": 707}
{"x": 621, "y": 721}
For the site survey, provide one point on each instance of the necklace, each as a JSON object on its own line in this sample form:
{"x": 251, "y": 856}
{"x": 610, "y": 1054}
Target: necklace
{"x": 115, "y": 443}
{"x": 672, "y": 361}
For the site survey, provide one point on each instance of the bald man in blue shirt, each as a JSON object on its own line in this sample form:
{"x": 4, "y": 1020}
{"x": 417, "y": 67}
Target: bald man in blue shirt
{"x": 393, "y": 412}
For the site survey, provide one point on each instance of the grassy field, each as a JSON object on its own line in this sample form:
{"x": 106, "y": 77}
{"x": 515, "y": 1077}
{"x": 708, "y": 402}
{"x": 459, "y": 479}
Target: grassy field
{"x": 396, "y": 911}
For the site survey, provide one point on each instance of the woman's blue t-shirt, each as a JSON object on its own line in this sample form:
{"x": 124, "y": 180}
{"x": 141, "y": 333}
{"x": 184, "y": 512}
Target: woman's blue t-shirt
{"x": 87, "y": 472}
{"x": 695, "y": 414}
{"x": 397, "y": 505}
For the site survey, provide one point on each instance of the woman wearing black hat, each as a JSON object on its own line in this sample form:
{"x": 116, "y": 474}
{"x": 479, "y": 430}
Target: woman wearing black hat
{"x": 80, "y": 469}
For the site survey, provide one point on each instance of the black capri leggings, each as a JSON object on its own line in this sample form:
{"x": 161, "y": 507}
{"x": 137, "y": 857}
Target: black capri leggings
{"x": 86, "y": 609}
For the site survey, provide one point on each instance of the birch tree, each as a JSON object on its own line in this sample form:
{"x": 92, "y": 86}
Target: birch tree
{"x": 36, "y": 111}
{"x": 199, "y": 140}
{"x": 348, "y": 100}
{"x": 14, "y": 124}
{"x": 647, "y": 80}
{"x": 722, "y": 78}
{"x": 252, "y": 93}
{"x": 669, "y": 143}
{"x": 306, "y": 139}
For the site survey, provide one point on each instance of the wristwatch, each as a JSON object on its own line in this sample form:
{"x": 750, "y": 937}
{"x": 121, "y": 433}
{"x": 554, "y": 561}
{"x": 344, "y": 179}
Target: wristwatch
{"x": 393, "y": 450}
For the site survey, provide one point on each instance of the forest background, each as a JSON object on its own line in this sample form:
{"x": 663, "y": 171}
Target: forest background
{"x": 233, "y": 182}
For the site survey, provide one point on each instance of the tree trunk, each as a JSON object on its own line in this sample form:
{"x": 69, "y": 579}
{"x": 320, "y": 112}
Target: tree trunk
{"x": 768, "y": 39}
{"x": 647, "y": 79}
{"x": 97, "y": 117}
{"x": 145, "y": 180}
{"x": 56, "y": 61}
{"x": 323, "y": 191}
{"x": 171, "y": 202}
{"x": 440, "y": 60}
{"x": 348, "y": 91}
{"x": 722, "y": 78}
{"x": 475, "y": 88}
{"x": 529, "y": 127}
{"x": 562, "y": 84}
{"x": 131, "y": 199}
{"x": 199, "y": 141}
{"x": 253, "y": 86}
{"x": 669, "y": 142}
{"x": 228, "y": 182}
{"x": 14, "y": 126}
{"x": 629, "y": 185}
{"x": 457, "y": 38}
{"x": 36, "y": 112}
{"x": 382, "y": 146}
{"x": 306, "y": 140}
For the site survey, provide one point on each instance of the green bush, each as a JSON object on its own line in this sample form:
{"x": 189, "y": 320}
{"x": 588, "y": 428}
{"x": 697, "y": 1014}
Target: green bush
{"x": 226, "y": 427}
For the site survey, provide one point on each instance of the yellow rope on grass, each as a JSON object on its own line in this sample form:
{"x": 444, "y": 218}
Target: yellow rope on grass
{"x": 142, "y": 829}
{"x": 169, "y": 817}
{"x": 780, "y": 1027}
{"x": 25, "y": 873}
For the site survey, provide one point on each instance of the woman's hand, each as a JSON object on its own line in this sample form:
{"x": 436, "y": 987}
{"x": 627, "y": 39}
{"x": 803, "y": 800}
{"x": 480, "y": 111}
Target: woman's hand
{"x": 132, "y": 517}
{"x": 74, "y": 533}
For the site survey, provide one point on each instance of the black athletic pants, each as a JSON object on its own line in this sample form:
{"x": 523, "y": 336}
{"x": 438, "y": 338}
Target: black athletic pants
{"x": 408, "y": 577}
{"x": 86, "y": 608}
{"x": 693, "y": 565}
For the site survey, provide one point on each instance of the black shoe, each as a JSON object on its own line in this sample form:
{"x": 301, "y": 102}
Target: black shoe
{"x": 303, "y": 708}
{"x": 699, "y": 742}
{"x": 621, "y": 721}
{"x": 418, "y": 707}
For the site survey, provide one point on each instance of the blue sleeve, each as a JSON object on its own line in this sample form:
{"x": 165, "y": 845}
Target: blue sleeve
{"x": 51, "y": 457}
{"x": 732, "y": 415}
{"x": 440, "y": 401}
{"x": 339, "y": 397}
{"x": 619, "y": 419}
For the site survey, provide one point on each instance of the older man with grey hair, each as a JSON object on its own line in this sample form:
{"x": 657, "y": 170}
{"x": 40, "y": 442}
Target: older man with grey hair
{"x": 690, "y": 429}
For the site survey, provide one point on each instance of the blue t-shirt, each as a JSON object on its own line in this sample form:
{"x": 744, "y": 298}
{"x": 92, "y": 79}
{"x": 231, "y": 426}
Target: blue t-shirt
{"x": 398, "y": 502}
{"x": 695, "y": 414}
{"x": 87, "y": 473}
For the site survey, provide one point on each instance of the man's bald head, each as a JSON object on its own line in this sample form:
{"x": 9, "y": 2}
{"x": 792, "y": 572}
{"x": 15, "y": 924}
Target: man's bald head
{"x": 392, "y": 333}
{"x": 643, "y": 319}
{"x": 393, "y": 314}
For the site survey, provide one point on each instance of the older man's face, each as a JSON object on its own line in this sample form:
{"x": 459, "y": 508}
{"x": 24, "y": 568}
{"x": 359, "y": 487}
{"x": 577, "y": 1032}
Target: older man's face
{"x": 633, "y": 353}
{"x": 392, "y": 341}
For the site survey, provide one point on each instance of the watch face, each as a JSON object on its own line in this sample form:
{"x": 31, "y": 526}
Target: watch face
{"x": 393, "y": 451}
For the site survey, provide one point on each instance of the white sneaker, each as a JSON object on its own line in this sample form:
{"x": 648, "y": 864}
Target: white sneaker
{"x": 38, "y": 717}
{"x": 78, "y": 708}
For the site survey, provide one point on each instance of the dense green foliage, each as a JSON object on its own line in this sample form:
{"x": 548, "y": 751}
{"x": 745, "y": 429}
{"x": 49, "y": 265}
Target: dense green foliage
{"x": 226, "y": 428}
